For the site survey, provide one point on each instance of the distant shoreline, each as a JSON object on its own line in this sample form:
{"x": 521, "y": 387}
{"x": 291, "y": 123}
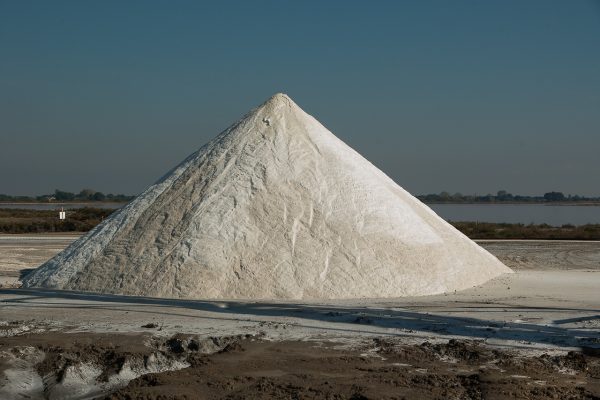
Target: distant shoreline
{"x": 64, "y": 202}
{"x": 499, "y": 203}
{"x": 59, "y": 203}
{"x": 537, "y": 203}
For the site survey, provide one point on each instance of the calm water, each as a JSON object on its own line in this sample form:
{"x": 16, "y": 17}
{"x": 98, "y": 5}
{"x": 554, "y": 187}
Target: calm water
{"x": 519, "y": 213}
{"x": 58, "y": 206}
{"x": 512, "y": 213}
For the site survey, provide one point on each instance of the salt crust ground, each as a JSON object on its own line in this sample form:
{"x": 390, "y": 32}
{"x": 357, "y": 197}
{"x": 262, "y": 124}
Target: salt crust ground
{"x": 550, "y": 305}
{"x": 275, "y": 207}
{"x": 551, "y": 301}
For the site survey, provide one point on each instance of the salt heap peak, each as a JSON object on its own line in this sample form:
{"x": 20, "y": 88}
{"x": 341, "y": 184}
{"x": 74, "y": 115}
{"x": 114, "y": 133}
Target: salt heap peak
{"x": 274, "y": 207}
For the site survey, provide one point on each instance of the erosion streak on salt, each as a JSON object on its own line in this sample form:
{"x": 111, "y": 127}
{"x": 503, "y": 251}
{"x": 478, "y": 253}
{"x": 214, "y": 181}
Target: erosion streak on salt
{"x": 276, "y": 206}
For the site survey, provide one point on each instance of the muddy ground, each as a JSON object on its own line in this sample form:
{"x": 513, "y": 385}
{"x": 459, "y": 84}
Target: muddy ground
{"x": 383, "y": 370}
{"x": 248, "y": 367}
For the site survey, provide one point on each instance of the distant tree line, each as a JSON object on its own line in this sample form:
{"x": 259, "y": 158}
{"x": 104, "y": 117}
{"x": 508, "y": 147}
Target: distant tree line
{"x": 62, "y": 196}
{"x": 504, "y": 197}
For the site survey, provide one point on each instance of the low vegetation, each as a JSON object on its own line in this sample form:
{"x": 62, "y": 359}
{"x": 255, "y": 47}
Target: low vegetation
{"x": 46, "y": 221}
{"x": 485, "y": 230}
{"x": 84, "y": 219}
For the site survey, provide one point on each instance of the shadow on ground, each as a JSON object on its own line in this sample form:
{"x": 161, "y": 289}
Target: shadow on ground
{"x": 350, "y": 319}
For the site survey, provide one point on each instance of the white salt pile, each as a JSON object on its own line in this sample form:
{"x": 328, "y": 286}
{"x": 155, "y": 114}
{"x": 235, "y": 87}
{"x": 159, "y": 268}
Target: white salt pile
{"x": 274, "y": 207}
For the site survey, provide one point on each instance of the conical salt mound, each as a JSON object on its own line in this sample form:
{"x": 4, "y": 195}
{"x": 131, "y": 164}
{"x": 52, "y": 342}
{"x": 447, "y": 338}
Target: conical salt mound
{"x": 274, "y": 207}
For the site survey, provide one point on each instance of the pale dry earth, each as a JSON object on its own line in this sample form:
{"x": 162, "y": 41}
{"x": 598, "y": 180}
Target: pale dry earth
{"x": 555, "y": 284}
{"x": 20, "y": 253}
{"x": 545, "y": 255}
{"x": 550, "y": 305}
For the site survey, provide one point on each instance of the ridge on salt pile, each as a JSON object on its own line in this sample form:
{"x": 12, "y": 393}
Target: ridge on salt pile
{"x": 276, "y": 206}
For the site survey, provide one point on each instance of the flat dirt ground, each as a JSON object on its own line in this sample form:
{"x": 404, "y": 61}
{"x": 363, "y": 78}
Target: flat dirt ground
{"x": 20, "y": 253}
{"x": 531, "y": 334}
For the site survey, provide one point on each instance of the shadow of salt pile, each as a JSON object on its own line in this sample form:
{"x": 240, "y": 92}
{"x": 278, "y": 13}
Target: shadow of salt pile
{"x": 348, "y": 319}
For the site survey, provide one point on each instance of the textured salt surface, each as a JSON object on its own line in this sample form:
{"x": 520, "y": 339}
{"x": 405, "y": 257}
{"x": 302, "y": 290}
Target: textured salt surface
{"x": 276, "y": 206}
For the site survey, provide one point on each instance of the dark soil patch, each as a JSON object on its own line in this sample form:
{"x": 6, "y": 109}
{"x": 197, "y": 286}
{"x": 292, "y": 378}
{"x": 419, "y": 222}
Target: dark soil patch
{"x": 304, "y": 370}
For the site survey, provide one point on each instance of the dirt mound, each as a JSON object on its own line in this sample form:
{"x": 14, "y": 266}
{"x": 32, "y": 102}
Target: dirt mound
{"x": 86, "y": 365}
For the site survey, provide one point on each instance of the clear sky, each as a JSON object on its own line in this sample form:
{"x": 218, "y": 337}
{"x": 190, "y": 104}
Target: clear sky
{"x": 469, "y": 96}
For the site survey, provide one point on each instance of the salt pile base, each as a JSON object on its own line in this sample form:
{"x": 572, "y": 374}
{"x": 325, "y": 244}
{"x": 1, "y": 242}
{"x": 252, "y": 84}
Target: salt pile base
{"x": 275, "y": 207}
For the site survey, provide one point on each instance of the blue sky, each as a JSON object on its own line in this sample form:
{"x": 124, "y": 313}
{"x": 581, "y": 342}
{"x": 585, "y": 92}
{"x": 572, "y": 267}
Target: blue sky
{"x": 468, "y": 96}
